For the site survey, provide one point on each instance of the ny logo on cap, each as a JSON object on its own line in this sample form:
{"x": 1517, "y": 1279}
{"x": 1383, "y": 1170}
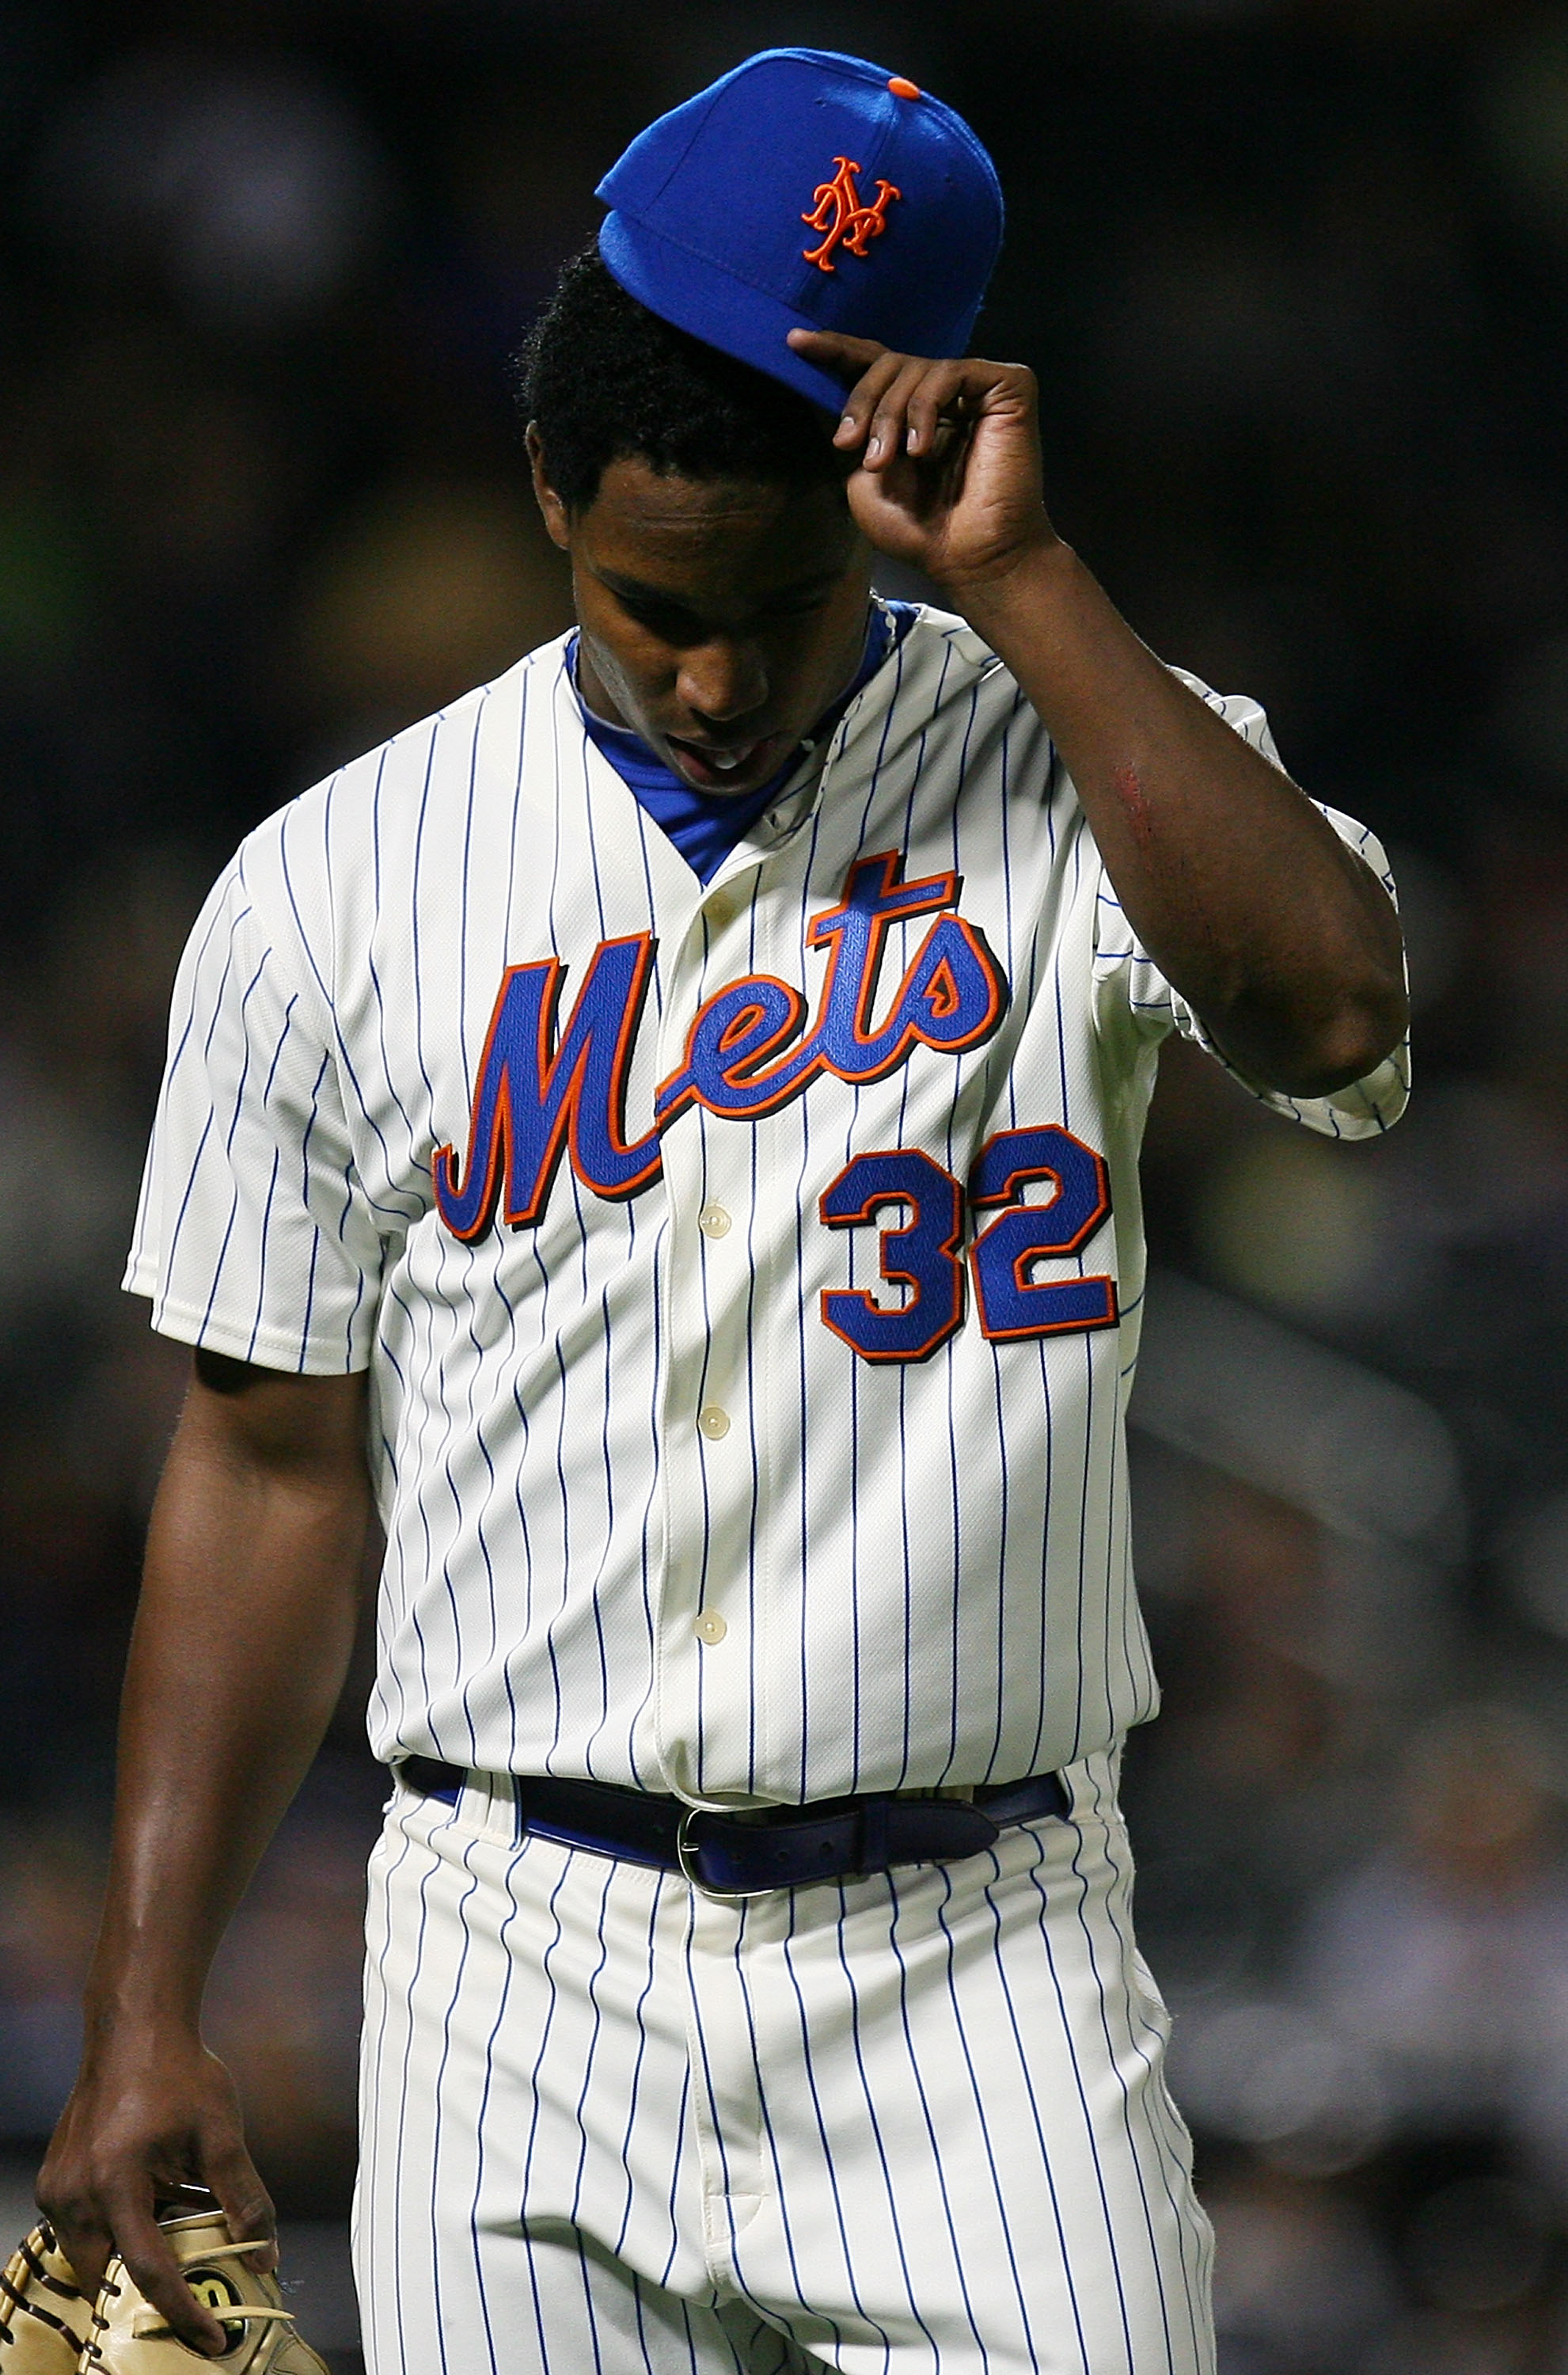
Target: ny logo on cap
{"x": 837, "y": 209}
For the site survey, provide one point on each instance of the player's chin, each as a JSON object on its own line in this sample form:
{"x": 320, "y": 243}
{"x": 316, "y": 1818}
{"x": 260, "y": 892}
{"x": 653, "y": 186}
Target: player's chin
{"x": 744, "y": 767}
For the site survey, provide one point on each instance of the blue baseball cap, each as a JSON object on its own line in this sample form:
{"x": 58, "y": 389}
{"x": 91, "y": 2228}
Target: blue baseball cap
{"x": 805, "y": 190}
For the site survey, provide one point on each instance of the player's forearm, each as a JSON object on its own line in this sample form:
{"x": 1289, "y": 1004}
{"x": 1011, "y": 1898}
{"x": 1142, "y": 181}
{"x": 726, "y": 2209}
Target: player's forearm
{"x": 1244, "y": 896}
{"x": 241, "y": 1646}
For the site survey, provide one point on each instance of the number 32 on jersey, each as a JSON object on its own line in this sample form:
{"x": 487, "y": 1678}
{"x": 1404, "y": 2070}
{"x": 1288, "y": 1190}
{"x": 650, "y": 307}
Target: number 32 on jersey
{"x": 922, "y": 1253}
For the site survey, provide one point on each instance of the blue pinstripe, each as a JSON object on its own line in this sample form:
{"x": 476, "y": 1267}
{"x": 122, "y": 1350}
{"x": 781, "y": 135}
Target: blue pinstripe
{"x": 371, "y": 2051}
{"x": 440, "y": 2076}
{"x": 1132, "y": 2141}
{"x": 831, "y": 2171}
{"x": 1124, "y": 1939}
{"x": 578, "y": 2205}
{"x": 535, "y": 2102}
{"x": 480, "y": 2124}
{"x": 404, "y": 2080}
{"x": 1037, "y": 2120}
{"x": 978, "y": 2097}
{"x": 1089, "y": 2127}
{"x": 641, "y": 2018}
{"x": 938, "y": 2159}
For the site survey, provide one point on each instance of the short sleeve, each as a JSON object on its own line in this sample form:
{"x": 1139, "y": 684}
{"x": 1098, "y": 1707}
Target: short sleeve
{"x": 1130, "y": 990}
{"x": 253, "y": 1236}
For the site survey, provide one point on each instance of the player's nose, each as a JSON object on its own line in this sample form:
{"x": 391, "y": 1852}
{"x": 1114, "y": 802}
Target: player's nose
{"x": 722, "y": 680}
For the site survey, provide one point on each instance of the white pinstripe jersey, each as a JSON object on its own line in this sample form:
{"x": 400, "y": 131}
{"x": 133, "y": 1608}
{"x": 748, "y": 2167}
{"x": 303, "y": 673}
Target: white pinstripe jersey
{"x": 749, "y": 1275}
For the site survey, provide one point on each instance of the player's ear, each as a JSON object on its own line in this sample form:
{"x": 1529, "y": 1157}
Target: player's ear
{"x": 550, "y": 502}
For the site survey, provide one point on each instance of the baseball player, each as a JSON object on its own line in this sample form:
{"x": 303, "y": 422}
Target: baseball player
{"x": 666, "y": 1131}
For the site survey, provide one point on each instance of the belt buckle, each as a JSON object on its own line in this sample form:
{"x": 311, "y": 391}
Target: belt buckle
{"x": 687, "y": 1854}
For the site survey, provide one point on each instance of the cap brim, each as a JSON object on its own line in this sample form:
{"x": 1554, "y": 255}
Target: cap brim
{"x": 713, "y": 305}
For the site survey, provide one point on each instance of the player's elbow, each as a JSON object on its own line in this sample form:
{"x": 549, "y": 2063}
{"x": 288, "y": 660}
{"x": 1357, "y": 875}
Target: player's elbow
{"x": 1348, "y": 1006}
{"x": 1346, "y": 1040}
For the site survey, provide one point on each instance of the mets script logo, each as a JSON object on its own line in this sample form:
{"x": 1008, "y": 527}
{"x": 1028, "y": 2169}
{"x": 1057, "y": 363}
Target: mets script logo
{"x": 541, "y": 1091}
{"x": 837, "y": 209}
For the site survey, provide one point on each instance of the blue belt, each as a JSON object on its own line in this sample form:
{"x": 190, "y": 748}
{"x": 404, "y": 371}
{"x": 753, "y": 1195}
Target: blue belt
{"x": 776, "y": 1847}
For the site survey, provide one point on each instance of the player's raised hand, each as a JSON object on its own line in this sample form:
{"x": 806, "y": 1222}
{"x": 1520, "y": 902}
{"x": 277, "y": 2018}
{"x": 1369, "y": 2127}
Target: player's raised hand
{"x": 949, "y": 477}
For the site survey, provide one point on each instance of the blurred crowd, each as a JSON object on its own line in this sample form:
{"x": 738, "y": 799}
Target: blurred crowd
{"x": 1294, "y": 274}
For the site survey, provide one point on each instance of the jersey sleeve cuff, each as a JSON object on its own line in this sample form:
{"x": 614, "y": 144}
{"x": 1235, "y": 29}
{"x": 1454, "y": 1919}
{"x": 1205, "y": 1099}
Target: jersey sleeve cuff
{"x": 263, "y": 1348}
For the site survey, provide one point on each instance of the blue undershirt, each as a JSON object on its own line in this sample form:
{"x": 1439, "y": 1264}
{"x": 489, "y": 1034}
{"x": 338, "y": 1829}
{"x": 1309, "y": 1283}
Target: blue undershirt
{"x": 705, "y": 826}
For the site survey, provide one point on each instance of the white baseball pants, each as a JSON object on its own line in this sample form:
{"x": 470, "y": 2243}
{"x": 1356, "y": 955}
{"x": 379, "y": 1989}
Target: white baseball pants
{"x": 911, "y": 2123}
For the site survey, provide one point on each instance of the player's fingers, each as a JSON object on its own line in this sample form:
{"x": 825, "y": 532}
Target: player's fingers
{"x": 886, "y": 432}
{"x": 84, "y": 2238}
{"x": 153, "y": 2268}
{"x": 861, "y": 403}
{"x": 834, "y": 350}
{"x": 934, "y": 407}
{"x": 246, "y": 2203}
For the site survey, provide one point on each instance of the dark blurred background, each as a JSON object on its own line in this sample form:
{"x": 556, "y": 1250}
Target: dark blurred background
{"x": 1295, "y": 275}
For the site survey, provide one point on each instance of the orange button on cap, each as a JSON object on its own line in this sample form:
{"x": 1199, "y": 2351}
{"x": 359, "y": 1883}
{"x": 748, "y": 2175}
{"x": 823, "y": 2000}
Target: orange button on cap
{"x": 902, "y": 89}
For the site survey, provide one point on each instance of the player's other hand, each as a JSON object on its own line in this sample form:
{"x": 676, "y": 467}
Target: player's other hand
{"x": 158, "y": 2115}
{"x": 948, "y": 478}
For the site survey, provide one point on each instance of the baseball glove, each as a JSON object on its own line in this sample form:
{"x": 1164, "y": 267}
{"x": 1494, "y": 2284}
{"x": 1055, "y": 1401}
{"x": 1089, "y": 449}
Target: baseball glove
{"x": 47, "y": 2328}
{"x": 43, "y": 2319}
{"x": 246, "y": 2305}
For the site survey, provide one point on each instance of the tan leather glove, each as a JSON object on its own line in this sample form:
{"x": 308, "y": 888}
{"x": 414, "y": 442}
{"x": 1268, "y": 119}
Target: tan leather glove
{"x": 44, "y": 2321}
{"x": 46, "y": 2327}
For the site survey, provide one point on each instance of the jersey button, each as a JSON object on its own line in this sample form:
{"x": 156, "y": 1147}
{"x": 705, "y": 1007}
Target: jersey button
{"x": 714, "y": 1421}
{"x": 709, "y": 1627}
{"x": 713, "y": 1221}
